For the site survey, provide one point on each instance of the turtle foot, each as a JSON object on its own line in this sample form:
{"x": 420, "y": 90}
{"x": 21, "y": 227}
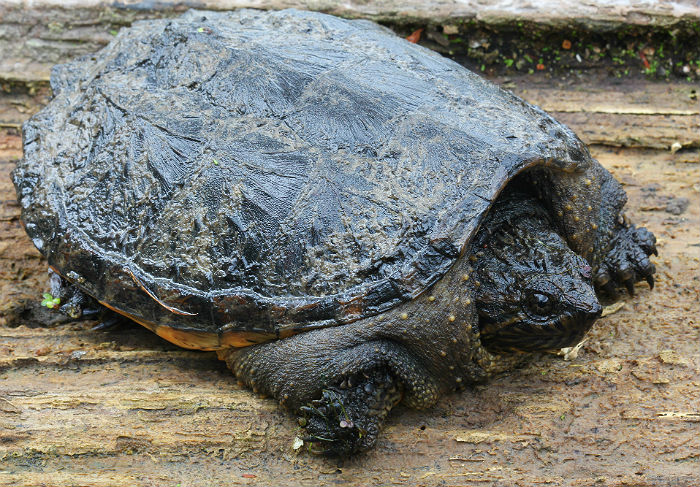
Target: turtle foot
{"x": 346, "y": 419}
{"x": 628, "y": 261}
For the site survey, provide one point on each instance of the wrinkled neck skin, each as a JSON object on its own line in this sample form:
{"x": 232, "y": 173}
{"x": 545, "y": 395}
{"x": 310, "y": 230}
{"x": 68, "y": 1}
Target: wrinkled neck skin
{"x": 533, "y": 292}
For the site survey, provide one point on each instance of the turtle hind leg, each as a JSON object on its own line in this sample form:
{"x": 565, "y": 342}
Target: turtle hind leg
{"x": 71, "y": 300}
{"x": 346, "y": 419}
{"x": 64, "y": 303}
{"x": 75, "y": 305}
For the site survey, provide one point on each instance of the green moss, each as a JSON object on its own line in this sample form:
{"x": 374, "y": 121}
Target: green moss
{"x": 519, "y": 43}
{"x": 49, "y": 301}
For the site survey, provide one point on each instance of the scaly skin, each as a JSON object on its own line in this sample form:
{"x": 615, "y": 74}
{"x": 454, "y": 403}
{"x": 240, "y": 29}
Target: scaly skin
{"x": 587, "y": 206}
{"x": 348, "y": 417}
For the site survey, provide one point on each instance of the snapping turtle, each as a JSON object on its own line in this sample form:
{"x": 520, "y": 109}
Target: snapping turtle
{"x": 349, "y": 219}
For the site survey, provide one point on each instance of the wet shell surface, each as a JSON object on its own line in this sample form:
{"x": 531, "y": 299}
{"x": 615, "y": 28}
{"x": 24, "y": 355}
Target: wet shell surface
{"x": 226, "y": 178}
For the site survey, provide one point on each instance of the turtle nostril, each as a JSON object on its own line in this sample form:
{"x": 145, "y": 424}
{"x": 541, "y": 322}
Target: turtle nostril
{"x": 586, "y": 271}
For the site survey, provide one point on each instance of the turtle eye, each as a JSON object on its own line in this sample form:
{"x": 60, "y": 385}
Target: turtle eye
{"x": 540, "y": 304}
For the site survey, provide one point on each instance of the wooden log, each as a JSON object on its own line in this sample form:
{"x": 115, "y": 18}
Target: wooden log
{"x": 38, "y": 34}
{"x": 631, "y": 114}
{"x": 125, "y": 408}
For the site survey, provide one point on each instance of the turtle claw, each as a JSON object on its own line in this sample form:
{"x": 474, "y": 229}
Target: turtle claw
{"x": 312, "y": 410}
{"x": 604, "y": 282}
{"x": 109, "y": 320}
{"x": 646, "y": 240}
{"x": 611, "y": 290}
{"x": 627, "y": 262}
{"x": 650, "y": 281}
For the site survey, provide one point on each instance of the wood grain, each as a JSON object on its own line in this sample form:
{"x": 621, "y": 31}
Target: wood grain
{"x": 38, "y": 34}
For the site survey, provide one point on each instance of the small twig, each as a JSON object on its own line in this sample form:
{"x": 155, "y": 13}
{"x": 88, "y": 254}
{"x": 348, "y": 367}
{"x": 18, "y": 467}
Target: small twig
{"x": 17, "y": 410}
{"x": 613, "y": 308}
{"x": 462, "y": 459}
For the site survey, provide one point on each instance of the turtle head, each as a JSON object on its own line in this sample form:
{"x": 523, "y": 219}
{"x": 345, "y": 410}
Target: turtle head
{"x": 534, "y": 293}
{"x": 543, "y": 312}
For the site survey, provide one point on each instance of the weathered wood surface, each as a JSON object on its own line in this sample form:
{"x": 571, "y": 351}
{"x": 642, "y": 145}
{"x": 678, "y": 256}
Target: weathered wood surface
{"x": 79, "y": 407}
{"x": 628, "y": 12}
{"x": 35, "y": 35}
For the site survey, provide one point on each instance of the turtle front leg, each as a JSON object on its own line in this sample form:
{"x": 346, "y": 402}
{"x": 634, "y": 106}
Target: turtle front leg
{"x": 627, "y": 261}
{"x": 347, "y": 418}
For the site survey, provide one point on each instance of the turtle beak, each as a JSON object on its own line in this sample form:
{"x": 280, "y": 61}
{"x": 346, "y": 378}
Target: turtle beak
{"x": 576, "y": 325}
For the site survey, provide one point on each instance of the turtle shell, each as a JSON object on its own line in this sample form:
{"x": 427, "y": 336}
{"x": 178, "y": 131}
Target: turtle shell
{"x": 241, "y": 176}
